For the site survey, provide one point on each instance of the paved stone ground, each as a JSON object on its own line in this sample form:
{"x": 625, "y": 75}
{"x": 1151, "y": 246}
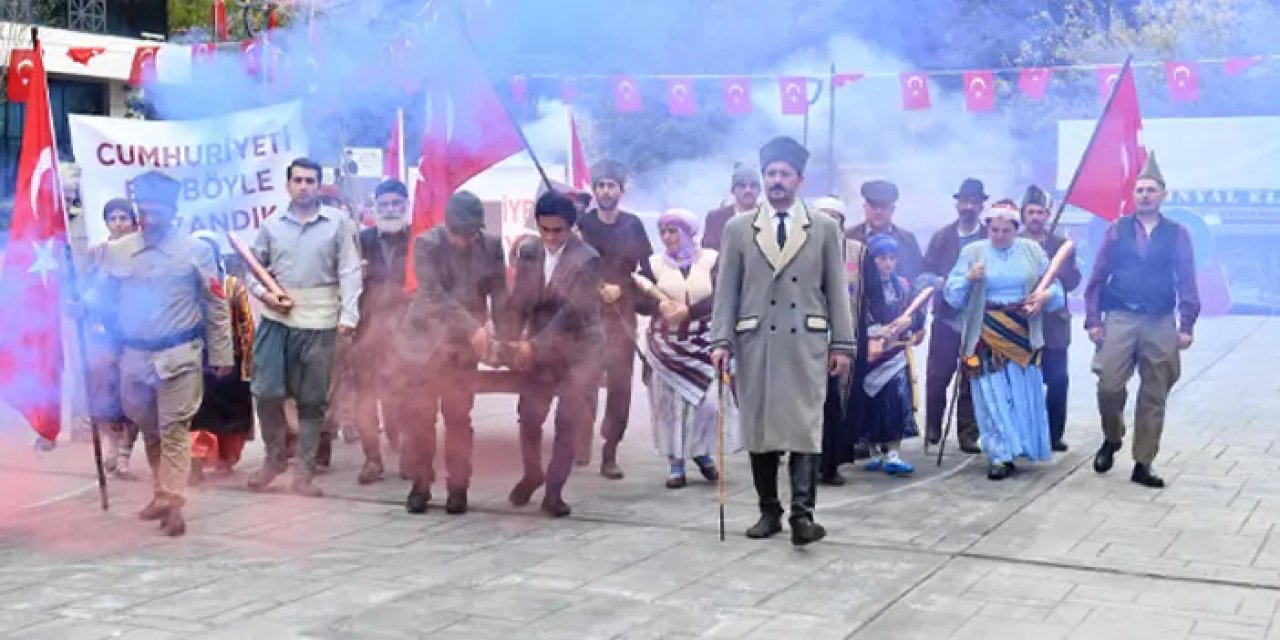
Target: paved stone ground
{"x": 1056, "y": 552}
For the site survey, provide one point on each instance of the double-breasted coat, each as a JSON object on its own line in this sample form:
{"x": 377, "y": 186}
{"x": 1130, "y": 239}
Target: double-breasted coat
{"x": 782, "y": 311}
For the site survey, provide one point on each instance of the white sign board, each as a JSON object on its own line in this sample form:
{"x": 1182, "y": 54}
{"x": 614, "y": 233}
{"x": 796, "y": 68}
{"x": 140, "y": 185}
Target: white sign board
{"x": 232, "y": 168}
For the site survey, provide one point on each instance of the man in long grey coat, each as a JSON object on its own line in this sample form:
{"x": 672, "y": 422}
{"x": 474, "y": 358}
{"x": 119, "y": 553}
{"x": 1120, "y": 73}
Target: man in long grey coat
{"x": 782, "y": 311}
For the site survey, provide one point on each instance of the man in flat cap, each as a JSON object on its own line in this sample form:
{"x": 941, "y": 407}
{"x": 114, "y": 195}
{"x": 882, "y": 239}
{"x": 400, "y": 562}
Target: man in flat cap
{"x": 744, "y": 188}
{"x": 163, "y": 290}
{"x": 384, "y": 249}
{"x": 620, "y": 239}
{"x": 1057, "y": 324}
{"x": 462, "y": 285}
{"x": 879, "y": 202}
{"x": 311, "y": 251}
{"x": 1141, "y": 308}
{"x": 944, "y": 333}
{"x": 782, "y": 312}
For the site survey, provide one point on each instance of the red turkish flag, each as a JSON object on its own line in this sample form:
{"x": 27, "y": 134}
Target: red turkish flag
{"x": 737, "y": 96}
{"x": 1184, "y": 81}
{"x": 1034, "y": 82}
{"x": 1107, "y": 77}
{"x": 680, "y": 99}
{"x": 82, "y": 55}
{"x": 1237, "y": 66}
{"x": 915, "y": 91}
{"x": 581, "y": 175}
{"x": 519, "y": 90}
{"x": 22, "y": 63}
{"x": 795, "y": 95}
{"x": 1104, "y": 181}
{"x": 30, "y": 287}
{"x": 841, "y": 79}
{"x": 979, "y": 90}
{"x": 467, "y": 130}
{"x": 626, "y": 96}
{"x": 219, "y": 20}
{"x": 204, "y": 52}
{"x": 143, "y": 70}
{"x": 569, "y": 90}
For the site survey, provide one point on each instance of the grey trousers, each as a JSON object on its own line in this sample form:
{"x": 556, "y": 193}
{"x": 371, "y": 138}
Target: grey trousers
{"x": 292, "y": 363}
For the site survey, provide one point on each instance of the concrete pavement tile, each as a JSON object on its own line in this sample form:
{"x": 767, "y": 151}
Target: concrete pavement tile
{"x": 1239, "y": 629}
{"x": 1128, "y": 624}
{"x": 791, "y": 625}
{"x": 67, "y": 629}
{"x": 44, "y": 597}
{"x": 981, "y": 628}
{"x": 13, "y": 619}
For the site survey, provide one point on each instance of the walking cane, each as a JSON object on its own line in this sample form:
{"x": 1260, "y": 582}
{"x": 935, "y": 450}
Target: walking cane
{"x": 721, "y": 379}
{"x": 951, "y": 411}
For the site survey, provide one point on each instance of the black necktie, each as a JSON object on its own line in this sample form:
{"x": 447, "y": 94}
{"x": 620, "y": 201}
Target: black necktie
{"x": 782, "y": 229}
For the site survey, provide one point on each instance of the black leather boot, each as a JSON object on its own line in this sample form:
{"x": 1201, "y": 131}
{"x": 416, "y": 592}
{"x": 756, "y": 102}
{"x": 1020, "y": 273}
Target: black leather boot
{"x": 764, "y": 473}
{"x": 1143, "y": 475}
{"x": 804, "y": 495}
{"x": 1105, "y": 457}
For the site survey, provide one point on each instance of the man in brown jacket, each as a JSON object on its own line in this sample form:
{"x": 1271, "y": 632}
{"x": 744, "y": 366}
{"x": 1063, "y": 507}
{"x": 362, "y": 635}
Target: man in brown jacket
{"x": 745, "y": 188}
{"x": 944, "y": 334}
{"x": 1057, "y": 325}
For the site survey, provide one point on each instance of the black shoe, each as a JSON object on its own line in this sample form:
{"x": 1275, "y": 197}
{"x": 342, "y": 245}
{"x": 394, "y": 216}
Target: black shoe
{"x": 999, "y": 471}
{"x": 456, "y": 503}
{"x": 1060, "y": 447}
{"x": 1105, "y": 457}
{"x": 707, "y": 467}
{"x": 523, "y": 490}
{"x": 805, "y": 531}
{"x": 862, "y": 451}
{"x": 555, "y": 507}
{"x": 832, "y": 478}
{"x": 769, "y": 525}
{"x": 1143, "y": 475}
{"x": 417, "y": 501}
{"x": 969, "y": 447}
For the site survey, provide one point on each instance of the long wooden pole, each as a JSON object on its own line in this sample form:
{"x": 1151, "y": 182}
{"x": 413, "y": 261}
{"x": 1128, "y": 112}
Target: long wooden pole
{"x": 74, "y": 283}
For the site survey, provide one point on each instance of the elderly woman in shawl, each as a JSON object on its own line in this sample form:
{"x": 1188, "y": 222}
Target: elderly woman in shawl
{"x": 993, "y": 284}
{"x": 683, "y": 394}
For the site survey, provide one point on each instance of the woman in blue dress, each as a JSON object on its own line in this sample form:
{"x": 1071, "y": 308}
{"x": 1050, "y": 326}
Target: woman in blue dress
{"x": 993, "y": 285}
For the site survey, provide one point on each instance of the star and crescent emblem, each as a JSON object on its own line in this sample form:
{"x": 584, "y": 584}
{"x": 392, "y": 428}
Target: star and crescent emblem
{"x": 44, "y": 261}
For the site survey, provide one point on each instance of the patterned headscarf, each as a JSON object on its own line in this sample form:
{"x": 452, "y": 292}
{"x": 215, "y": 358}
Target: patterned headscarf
{"x": 687, "y": 224}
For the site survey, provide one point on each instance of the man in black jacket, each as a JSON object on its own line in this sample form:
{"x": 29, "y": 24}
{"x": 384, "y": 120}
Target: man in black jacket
{"x": 462, "y": 284}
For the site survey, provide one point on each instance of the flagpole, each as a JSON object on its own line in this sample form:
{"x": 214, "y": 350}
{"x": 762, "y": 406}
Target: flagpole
{"x": 1115, "y": 88}
{"x": 524, "y": 139}
{"x": 401, "y": 167}
{"x": 74, "y": 282}
{"x": 831, "y": 132}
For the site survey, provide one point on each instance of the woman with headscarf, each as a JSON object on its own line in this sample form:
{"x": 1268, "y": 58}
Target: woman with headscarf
{"x": 225, "y": 420}
{"x": 993, "y": 284}
{"x": 683, "y": 391}
{"x": 881, "y": 384}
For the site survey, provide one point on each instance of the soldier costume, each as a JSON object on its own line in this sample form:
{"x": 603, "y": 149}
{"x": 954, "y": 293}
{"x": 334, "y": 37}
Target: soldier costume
{"x": 170, "y": 307}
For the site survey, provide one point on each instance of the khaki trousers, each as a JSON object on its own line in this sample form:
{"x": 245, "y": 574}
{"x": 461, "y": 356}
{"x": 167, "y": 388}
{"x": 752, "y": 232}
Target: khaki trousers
{"x": 1149, "y": 344}
{"x": 161, "y": 393}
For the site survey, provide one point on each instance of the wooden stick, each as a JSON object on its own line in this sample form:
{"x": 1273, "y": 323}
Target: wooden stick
{"x": 1065, "y": 252}
{"x": 649, "y": 288}
{"x": 721, "y": 386}
{"x": 874, "y": 351}
{"x": 259, "y": 272}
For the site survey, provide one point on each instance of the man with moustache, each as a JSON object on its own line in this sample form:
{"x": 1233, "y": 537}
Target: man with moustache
{"x": 1056, "y": 325}
{"x": 745, "y": 189}
{"x": 944, "y": 334}
{"x": 384, "y": 248}
{"x": 310, "y": 250}
{"x": 879, "y": 202}
{"x": 620, "y": 239}
{"x": 782, "y": 312}
{"x": 555, "y": 330}
{"x": 462, "y": 284}
{"x": 1141, "y": 308}
{"x": 165, "y": 295}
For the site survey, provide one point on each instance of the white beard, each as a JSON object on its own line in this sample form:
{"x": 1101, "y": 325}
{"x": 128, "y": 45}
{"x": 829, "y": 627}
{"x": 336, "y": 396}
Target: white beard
{"x": 391, "y": 225}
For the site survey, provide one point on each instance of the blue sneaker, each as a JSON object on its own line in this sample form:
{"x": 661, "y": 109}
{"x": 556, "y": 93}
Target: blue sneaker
{"x": 898, "y": 468}
{"x": 874, "y": 464}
